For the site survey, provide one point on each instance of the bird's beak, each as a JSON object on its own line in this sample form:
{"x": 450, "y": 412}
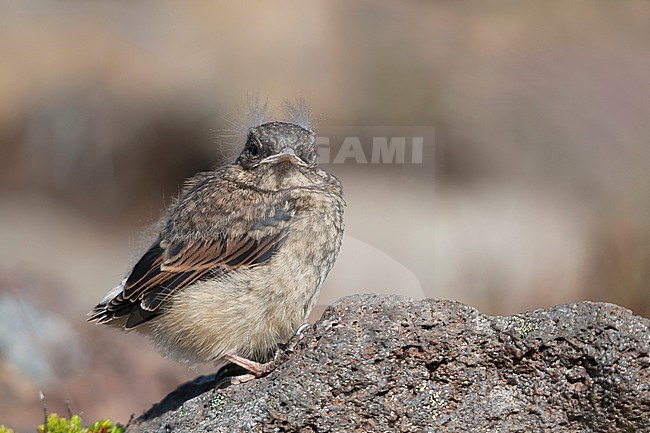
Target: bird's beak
{"x": 286, "y": 155}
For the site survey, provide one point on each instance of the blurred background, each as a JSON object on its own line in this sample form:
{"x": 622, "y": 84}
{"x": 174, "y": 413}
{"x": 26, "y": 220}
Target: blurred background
{"x": 534, "y": 189}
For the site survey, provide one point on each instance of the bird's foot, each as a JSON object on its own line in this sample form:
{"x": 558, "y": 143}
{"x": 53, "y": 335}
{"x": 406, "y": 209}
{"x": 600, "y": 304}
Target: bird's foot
{"x": 298, "y": 336}
{"x": 223, "y": 377}
{"x": 302, "y": 327}
{"x": 243, "y": 378}
{"x": 256, "y": 369}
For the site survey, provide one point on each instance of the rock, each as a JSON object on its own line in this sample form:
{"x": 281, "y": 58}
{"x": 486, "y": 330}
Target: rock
{"x": 387, "y": 363}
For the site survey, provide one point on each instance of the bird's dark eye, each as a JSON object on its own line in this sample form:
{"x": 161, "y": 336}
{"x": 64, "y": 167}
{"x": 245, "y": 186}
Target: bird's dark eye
{"x": 310, "y": 157}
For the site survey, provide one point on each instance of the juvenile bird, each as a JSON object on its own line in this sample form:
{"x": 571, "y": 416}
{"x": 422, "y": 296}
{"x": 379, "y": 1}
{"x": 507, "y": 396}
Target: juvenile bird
{"x": 240, "y": 258}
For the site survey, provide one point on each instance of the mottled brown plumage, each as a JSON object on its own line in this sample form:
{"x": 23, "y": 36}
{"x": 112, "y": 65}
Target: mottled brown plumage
{"x": 241, "y": 256}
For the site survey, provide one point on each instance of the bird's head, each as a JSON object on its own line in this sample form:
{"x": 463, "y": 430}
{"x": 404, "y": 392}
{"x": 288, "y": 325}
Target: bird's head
{"x": 276, "y": 143}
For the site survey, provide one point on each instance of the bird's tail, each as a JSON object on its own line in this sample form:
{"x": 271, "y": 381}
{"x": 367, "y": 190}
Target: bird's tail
{"x": 100, "y": 314}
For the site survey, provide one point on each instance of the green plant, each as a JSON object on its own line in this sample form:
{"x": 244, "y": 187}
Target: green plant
{"x": 57, "y": 424}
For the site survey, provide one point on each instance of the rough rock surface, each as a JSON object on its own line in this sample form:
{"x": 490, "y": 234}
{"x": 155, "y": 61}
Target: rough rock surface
{"x": 388, "y": 363}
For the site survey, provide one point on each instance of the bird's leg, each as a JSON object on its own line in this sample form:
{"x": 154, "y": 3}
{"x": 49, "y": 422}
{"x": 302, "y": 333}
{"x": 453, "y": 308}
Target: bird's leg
{"x": 257, "y": 369}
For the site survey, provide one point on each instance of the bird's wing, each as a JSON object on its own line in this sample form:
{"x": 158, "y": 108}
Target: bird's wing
{"x": 172, "y": 264}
